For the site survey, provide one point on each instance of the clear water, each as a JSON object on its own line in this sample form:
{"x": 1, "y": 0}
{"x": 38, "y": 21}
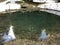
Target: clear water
{"x": 29, "y": 24}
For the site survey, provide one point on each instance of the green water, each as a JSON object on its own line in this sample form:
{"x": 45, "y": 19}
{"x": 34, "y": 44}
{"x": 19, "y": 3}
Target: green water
{"x": 30, "y": 24}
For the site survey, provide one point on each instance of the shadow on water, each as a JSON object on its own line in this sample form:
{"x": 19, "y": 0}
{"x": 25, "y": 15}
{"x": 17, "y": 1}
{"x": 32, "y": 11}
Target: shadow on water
{"x": 29, "y": 24}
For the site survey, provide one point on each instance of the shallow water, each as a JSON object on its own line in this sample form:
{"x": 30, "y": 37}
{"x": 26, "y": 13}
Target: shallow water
{"x": 29, "y": 24}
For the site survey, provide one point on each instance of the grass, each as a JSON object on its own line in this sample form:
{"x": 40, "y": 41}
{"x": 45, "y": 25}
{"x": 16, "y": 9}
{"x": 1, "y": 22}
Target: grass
{"x": 28, "y": 25}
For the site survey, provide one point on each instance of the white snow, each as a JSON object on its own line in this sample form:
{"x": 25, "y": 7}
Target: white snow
{"x": 50, "y": 1}
{"x": 12, "y": 5}
{"x": 14, "y": 0}
{"x": 53, "y": 6}
{"x": 39, "y": 0}
{"x": 3, "y": 6}
{"x": 43, "y": 35}
{"x": 47, "y": 1}
{"x": 11, "y": 33}
{"x": 4, "y": 36}
{"x": 10, "y": 36}
{"x": 53, "y": 12}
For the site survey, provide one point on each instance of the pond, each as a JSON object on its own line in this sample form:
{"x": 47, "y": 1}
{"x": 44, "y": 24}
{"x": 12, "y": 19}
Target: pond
{"x": 29, "y": 24}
